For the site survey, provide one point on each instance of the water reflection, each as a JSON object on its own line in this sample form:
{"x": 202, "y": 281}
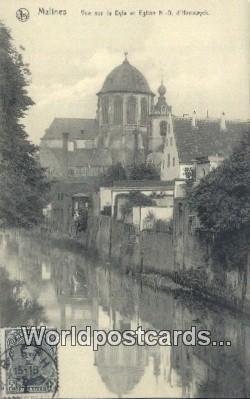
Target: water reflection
{"x": 66, "y": 288}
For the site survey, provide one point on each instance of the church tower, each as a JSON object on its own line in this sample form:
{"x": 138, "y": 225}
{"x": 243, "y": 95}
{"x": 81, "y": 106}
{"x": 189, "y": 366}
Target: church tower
{"x": 124, "y": 104}
{"x": 160, "y": 122}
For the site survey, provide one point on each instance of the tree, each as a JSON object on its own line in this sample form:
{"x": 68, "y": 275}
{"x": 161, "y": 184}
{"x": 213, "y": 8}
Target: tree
{"x": 141, "y": 171}
{"x": 23, "y": 185}
{"x": 144, "y": 171}
{"x": 135, "y": 198}
{"x": 14, "y": 306}
{"x": 114, "y": 173}
{"x": 222, "y": 198}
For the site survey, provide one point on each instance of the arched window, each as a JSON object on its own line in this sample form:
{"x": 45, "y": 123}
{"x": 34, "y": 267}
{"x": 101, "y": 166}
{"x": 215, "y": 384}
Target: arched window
{"x": 118, "y": 110}
{"x": 144, "y": 111}
{"x": 105, "y": 109}
{"x": 131, "y": 110}
{"x": 163, "y": 128}
{"x": 168, "y": 160}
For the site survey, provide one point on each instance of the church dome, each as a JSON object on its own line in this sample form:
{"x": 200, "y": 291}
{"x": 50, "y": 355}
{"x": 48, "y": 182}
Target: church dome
{"x": 125, "y": 78}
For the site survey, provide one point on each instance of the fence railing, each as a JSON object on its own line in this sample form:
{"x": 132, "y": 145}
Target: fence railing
{"x": 158, "y": 227}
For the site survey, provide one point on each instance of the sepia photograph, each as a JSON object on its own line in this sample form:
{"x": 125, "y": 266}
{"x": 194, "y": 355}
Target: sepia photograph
{"x": 124, "y": 199}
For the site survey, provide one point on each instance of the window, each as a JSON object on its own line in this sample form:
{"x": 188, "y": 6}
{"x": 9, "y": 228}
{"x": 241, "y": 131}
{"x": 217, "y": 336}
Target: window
{"x": 86, "y": 171}
{"x": 144, "y": 111}
{"x": 150, "y": 127}
{"x": 168, "y": 160}
{"x": 173, "y": 161}
{"x": 60, "y": 196}
{"x": 171, "y": 140}
{"x": 105, "y": 109}
{"x": 163, "y": 128}
{"x": 118, "y": 110}
{"x": 166, "y": 142}
{"x": 131, "y": 110}
{"x": 189, "y": 172}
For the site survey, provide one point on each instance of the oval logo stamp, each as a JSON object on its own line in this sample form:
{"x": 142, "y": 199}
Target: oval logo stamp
{"x": 22, "y": 14}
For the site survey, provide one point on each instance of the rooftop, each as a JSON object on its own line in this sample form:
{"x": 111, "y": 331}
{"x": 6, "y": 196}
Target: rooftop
{"x": 78, "y": 128}
{"x": 143, "y": 183}
{"x": 206, "y": 138}
{"x": 125, "y": 78}
{"x": 83, "y": 157}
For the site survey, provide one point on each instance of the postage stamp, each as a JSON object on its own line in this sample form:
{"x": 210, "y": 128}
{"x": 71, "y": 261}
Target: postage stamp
{"x": 27, "y": 370}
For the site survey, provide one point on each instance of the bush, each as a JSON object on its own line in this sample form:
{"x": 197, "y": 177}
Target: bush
{"x": 136, "y": 198}
{"x": 144, "y": 171}
{"x": 221, "y": 200}
{"x": 107, "y": 210}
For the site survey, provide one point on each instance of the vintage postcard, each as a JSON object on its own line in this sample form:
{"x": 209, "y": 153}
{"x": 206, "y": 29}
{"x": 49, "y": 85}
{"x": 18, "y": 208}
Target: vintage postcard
{"x": 124, "y": 199}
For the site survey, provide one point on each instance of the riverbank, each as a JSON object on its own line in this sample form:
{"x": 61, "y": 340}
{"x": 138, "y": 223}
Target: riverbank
{"x": 76, "y": 288}
{"x": 189, "y": 283}
{"x": 183, "y": 256}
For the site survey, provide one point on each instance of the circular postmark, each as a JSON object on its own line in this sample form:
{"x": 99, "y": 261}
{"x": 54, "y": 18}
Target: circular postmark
{"x": 22, "y": 14}
{"x": 29, "y": 369}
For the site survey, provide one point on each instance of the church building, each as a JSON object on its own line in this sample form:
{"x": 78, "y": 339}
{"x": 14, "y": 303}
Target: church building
{"x": 130, "y": 127}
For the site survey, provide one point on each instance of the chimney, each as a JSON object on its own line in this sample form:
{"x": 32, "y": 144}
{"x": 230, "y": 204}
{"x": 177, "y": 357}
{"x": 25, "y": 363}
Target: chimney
{"x": 65, "y": 148}
{"x": 194, "y": 119}
{"x": 223, "y": 122}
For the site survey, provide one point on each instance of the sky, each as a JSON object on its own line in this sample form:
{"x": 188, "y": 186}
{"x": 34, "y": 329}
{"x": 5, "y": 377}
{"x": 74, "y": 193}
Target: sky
{"x": 203, "y": 60}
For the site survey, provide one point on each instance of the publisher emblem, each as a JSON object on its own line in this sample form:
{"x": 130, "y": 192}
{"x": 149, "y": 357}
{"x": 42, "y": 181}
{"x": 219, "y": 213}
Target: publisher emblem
{"x": 22, "y": 14}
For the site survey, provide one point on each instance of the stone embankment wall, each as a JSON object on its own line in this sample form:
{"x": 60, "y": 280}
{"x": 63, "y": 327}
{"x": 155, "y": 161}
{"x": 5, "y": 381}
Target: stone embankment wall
{"x": 145, "y": 251}
{"x": 158, "y": 253}
{"x": 186, "y": 255}
{"x": 220, "y": 269}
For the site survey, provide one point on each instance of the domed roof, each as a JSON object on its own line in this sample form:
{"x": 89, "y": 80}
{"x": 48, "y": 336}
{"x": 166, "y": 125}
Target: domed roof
{"x": 125, "y": 78}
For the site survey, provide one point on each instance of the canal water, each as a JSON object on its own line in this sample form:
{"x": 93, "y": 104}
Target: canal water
{"x": 42, "y": 282}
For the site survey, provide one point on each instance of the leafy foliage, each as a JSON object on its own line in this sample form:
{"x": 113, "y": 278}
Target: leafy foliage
{"x": 23, "y": 185}
{"x": 14, "y": 307}
{"x": 141, "y": 171}
{"x": 150, "y": 218}
{"x": 114, "y": 173}
{"x": 144, "y": 171}
{"x": 135, "y": 198}
{"x": 222, "y": 199}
